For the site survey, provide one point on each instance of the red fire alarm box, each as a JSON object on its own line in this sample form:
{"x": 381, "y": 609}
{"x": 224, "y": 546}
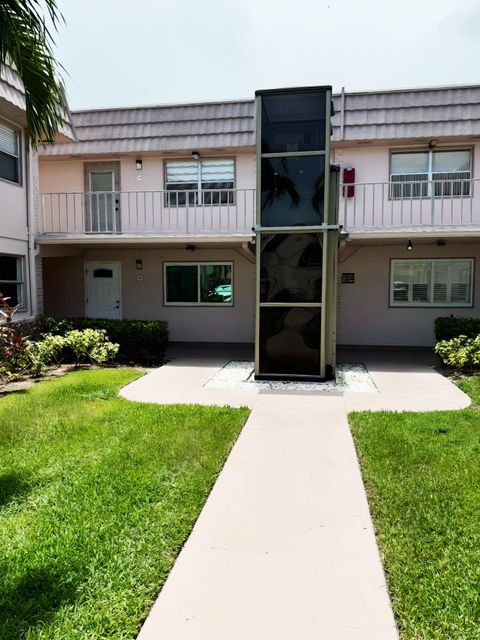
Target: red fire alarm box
{"x": 348, "y": 182}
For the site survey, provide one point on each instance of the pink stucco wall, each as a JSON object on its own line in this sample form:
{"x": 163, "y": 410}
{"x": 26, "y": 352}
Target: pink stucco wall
{"x": 365, "y": 317}
{"x": 372, "y": 207}
{"x": 143, "y": 299}
{"x": 141, "y": 205}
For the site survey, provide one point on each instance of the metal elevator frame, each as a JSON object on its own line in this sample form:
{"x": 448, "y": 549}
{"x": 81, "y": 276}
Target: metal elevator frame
{"x": 329, "y": 229}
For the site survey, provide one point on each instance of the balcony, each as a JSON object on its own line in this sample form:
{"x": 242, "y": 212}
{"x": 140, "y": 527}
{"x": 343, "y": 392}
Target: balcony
{"x": 372, "y": 208}
{"x": 413, "y": 205}
{"x": 215, "y": 212}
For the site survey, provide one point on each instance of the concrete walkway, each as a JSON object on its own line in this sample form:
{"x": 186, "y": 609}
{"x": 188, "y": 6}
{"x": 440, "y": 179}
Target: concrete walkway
{"x": 284, "y": 547}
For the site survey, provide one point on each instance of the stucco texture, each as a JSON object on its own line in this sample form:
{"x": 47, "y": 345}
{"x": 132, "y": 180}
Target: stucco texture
{"x": 64, "y": 285}
{"x": 364, "y": 314}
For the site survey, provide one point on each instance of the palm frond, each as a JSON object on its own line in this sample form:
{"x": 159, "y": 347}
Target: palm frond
{"x": 26, "y": 44}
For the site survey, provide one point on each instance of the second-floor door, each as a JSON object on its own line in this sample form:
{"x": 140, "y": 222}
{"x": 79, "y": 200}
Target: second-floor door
{"x": 103, "y": 199}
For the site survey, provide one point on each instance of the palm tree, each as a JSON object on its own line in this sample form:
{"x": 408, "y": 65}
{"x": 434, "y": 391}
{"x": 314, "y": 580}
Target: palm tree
{"x": 26, "y": 45}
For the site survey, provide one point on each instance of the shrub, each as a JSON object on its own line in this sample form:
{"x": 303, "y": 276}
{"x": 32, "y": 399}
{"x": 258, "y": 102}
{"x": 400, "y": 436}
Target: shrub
{"x": 90, "y": 345}
{"x": 453, "y": 327}
{"x": 44, "y": 352}
{"x": 142, "y": 341}
{"x": 461, "y": 352}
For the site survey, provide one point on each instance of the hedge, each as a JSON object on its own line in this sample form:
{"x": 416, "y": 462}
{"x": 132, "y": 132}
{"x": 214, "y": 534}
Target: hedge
{"x": 141, "y": 341}
{"x": 450, "y": 327}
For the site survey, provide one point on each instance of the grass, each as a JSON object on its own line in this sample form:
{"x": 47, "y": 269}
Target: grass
{"x": 97, "y": 496}
{"x": 422, "y": 475}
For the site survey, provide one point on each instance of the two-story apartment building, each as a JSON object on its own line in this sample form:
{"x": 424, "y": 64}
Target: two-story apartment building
{"x": 149, "y": 215}
{"x": 20, "y": 264}
{"x": 17, "y": 184}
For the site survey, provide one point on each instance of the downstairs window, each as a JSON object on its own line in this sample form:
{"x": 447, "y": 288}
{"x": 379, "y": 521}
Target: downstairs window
{"x": 11, "y": 279}
{"x": 206, "y": 283}
{"x": 431, "y": 283}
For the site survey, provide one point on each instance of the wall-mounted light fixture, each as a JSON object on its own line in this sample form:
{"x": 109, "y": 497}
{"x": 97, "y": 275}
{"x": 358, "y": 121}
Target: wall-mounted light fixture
{"x": 409, "y": 246}
{"x": 139, "y": 164}
{"x": 441, "y": 243}
{"x": 139, "y": 264}
{"x": 433, "y": 143}
{"x": 190, "y": 247}
{"x": 195, "y": 155}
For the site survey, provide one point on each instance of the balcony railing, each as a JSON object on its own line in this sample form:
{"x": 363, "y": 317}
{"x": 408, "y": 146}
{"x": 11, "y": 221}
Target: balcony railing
{"x": 160, "y": 213}
{"x": 380, "y": 206}
{"x": 373, "y": 206}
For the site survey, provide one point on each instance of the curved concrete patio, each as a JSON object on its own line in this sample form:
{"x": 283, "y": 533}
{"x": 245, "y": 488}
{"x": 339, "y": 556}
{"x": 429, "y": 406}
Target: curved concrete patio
{"x": 284, "y": 546}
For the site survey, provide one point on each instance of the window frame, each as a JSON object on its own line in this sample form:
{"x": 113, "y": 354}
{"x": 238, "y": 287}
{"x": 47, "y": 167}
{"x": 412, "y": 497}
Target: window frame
{"x": 18, "y": 132}
{"x": 431, "y": 304}
{"x": 198, "y": 199}
{"x": 195, "y": 263}
{"x": 429, "y": 182}
{"x": 19, "y": 282}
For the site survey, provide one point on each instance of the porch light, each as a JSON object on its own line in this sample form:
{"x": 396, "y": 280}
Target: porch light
{"x": 139, "y": 164}
{"x": 195, "y": 155}
{"x": 409, "y": 246}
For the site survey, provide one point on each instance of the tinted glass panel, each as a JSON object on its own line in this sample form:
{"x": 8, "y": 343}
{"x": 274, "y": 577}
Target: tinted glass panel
{"x": 8, "y": 167}
{"x": 292, "y": 191}
{"x": 293, "y": 122}
{"x": 11, "y": 291}
{"x": 8, "y": 268}
{"x": 182, "y": 283}
{"x": 290, "y": 341}
{"x": 216, "y": 283}
{"x": 103, "y": 273}
{"x": 291, "y": 268}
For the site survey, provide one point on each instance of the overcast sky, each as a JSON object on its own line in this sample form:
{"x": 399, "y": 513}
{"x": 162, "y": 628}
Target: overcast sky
{"x": 122, "y": 52}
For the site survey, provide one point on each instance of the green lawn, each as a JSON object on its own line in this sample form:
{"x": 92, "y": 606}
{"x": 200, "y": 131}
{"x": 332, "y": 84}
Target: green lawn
{"x": 97, "y": 495}
{"x": 422, "y": 475}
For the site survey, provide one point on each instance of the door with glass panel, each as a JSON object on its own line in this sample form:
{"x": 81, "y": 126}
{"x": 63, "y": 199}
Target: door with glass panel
{"x": 103, "y": 199}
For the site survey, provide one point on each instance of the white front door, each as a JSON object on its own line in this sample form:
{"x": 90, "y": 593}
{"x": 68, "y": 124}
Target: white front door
{"x": 103, "y": 290}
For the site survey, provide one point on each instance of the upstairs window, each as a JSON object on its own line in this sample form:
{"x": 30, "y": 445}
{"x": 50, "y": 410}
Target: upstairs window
{"x": 9, "y": 154}
{"x": 437, "y": 173}
{"x": 199, "y": 182}
{"x": 431, "y": 283}
{"x": 11, "y": 279}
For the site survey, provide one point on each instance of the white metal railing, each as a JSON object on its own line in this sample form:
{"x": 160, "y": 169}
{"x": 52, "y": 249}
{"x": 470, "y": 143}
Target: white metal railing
{"x": 209, "y": 211}
{"x": 399, "y": 205}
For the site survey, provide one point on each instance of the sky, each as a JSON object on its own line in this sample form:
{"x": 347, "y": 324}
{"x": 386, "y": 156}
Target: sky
{"x": 124, "y": 52}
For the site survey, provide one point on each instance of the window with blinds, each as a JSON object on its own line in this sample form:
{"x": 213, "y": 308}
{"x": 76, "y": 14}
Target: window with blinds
{"x": 437, "y": 283}
{"x": 9, "y": 154}
{"x": 437, "y": 173}
{"x": 204, "y": 182}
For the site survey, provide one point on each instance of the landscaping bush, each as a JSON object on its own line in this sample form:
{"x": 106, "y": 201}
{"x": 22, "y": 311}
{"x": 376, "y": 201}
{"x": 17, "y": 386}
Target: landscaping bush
{"x": 141, "y": 341}
{"x": 450, "y": 327}
{"x": 90, "y": 345}
{"x": 462, "y": 352}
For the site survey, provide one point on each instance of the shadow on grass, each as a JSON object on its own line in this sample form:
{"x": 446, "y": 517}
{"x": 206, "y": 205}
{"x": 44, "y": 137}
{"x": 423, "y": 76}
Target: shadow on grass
{"x": 32, "y": 601}
{"x": 12, "y": 485}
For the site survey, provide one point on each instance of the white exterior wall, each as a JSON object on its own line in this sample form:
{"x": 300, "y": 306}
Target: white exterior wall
{"x": 365, "y": 317}
{"x": 64, "y": 283}
{"x": 15, "y": 200}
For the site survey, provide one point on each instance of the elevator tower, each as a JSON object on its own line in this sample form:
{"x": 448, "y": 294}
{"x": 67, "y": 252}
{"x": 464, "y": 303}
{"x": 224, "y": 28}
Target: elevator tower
{"x": 296, "y": 235}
